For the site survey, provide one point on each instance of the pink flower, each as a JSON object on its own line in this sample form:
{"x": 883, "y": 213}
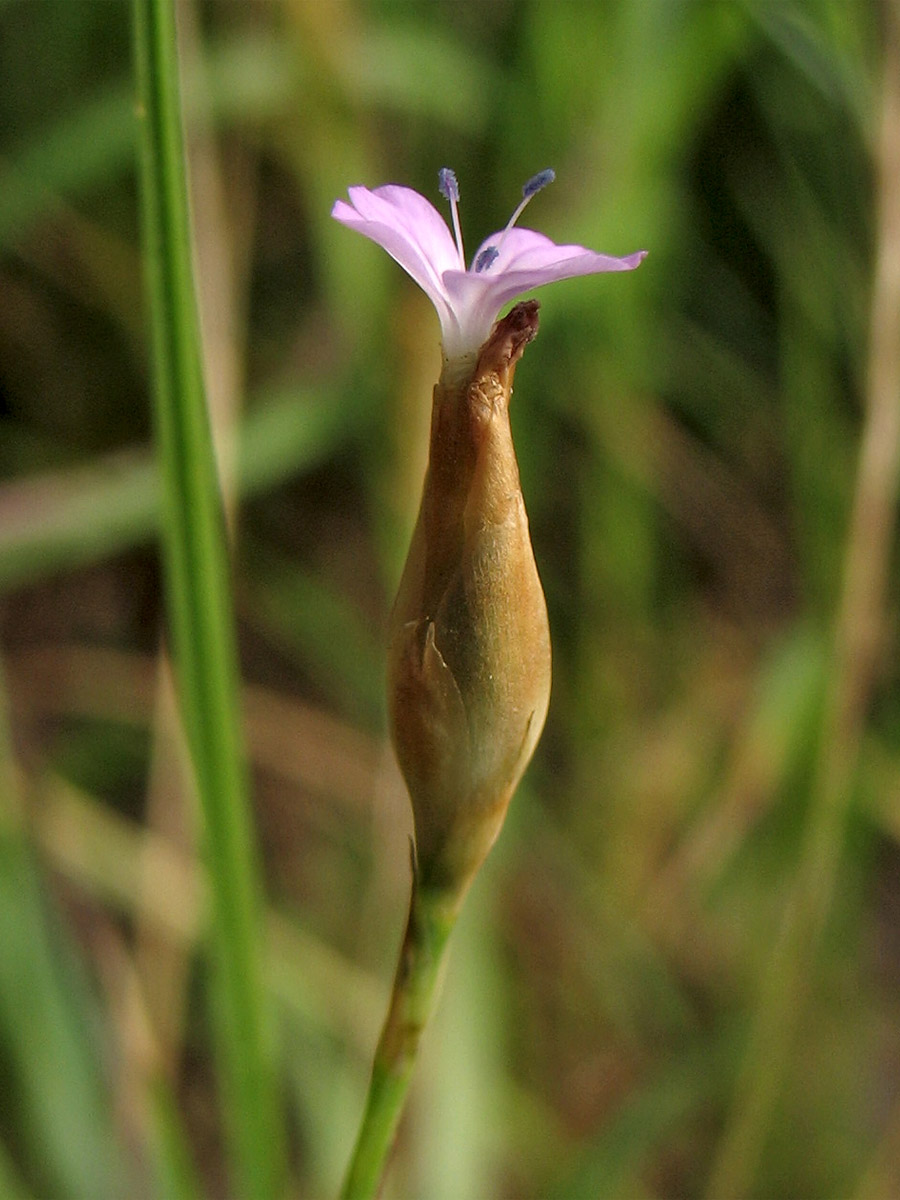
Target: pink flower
{"x": 468, "y": 300}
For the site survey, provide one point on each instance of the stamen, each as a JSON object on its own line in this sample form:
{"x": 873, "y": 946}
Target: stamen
{"x": 449, "y": 189}
{"x": 531, "y": 188}
{"x": 536, "y": 182}
{"x": 485, "y": 258}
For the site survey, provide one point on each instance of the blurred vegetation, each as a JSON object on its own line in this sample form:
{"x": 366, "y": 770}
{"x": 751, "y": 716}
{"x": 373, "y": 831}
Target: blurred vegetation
{"x": 679, "y": 974}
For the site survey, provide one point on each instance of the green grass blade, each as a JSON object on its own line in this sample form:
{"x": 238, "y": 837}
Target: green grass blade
{"x": 175, "y": 1173}
{"x": 62, "y": 1110}
{"x": 56, "y": 1110}
{"x": 201, "y": 617}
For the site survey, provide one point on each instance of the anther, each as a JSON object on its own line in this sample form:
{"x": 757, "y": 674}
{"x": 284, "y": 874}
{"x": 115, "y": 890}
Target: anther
{"x": 449, "y": 189}
{"x": 485, "y": 258}
{"x": 536, "y": 182}
{"x": 448, "y": 185}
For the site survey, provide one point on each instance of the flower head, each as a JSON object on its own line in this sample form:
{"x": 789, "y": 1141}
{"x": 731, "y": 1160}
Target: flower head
{"x": 468, "y": 300}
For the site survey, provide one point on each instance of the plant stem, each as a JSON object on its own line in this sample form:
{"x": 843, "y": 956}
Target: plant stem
{"x": 432, "y": 916}
{"x": 201, "y": 619}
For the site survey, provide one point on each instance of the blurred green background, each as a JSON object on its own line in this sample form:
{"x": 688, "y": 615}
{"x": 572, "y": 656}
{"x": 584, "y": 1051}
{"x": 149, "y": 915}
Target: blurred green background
{"x": 679, "y": 973}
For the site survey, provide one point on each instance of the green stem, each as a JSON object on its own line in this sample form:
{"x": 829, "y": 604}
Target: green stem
{"x": 201, "y": 618}
{"x": 431, "y": 919}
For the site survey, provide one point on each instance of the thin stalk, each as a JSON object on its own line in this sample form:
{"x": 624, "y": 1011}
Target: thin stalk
{"x": 431, "y": 920}
{"x": 201, "y": 619}
{"x": 859, "y": 639}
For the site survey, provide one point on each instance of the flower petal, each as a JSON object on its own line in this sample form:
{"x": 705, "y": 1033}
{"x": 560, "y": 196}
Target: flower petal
{"x": 526, "y": 250}
{"x": 525, "y": 260}
{"x": 410, "y": 229}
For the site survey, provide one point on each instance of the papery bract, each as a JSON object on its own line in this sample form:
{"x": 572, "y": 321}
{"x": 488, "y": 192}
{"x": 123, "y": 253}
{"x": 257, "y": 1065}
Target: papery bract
{"x": 469, "y": 640}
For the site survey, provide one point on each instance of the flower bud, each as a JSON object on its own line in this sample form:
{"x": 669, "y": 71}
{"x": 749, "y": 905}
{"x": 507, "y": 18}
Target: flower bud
{"x": 469, "y": 652}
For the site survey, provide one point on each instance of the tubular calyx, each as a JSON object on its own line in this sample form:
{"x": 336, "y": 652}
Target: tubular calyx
{"x": 469, "y": 650}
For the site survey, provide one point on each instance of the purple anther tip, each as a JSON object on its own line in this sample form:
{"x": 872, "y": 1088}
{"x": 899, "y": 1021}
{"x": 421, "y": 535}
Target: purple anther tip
{"x": 536, "y": 182}
{"x": 447, "y": 185}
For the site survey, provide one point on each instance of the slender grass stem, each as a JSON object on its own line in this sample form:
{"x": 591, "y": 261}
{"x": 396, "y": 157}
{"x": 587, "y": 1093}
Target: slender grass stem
{"x": 858, "y": 638}
{"x": 201, "y": 620}
{"x": 431, "y": 920}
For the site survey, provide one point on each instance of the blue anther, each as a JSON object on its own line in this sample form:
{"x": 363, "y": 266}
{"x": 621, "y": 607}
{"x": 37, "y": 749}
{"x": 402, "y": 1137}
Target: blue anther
{"x": 536, "y": 182}
{"x": 485, "y": 258}
{"x": 447, "y": 184}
